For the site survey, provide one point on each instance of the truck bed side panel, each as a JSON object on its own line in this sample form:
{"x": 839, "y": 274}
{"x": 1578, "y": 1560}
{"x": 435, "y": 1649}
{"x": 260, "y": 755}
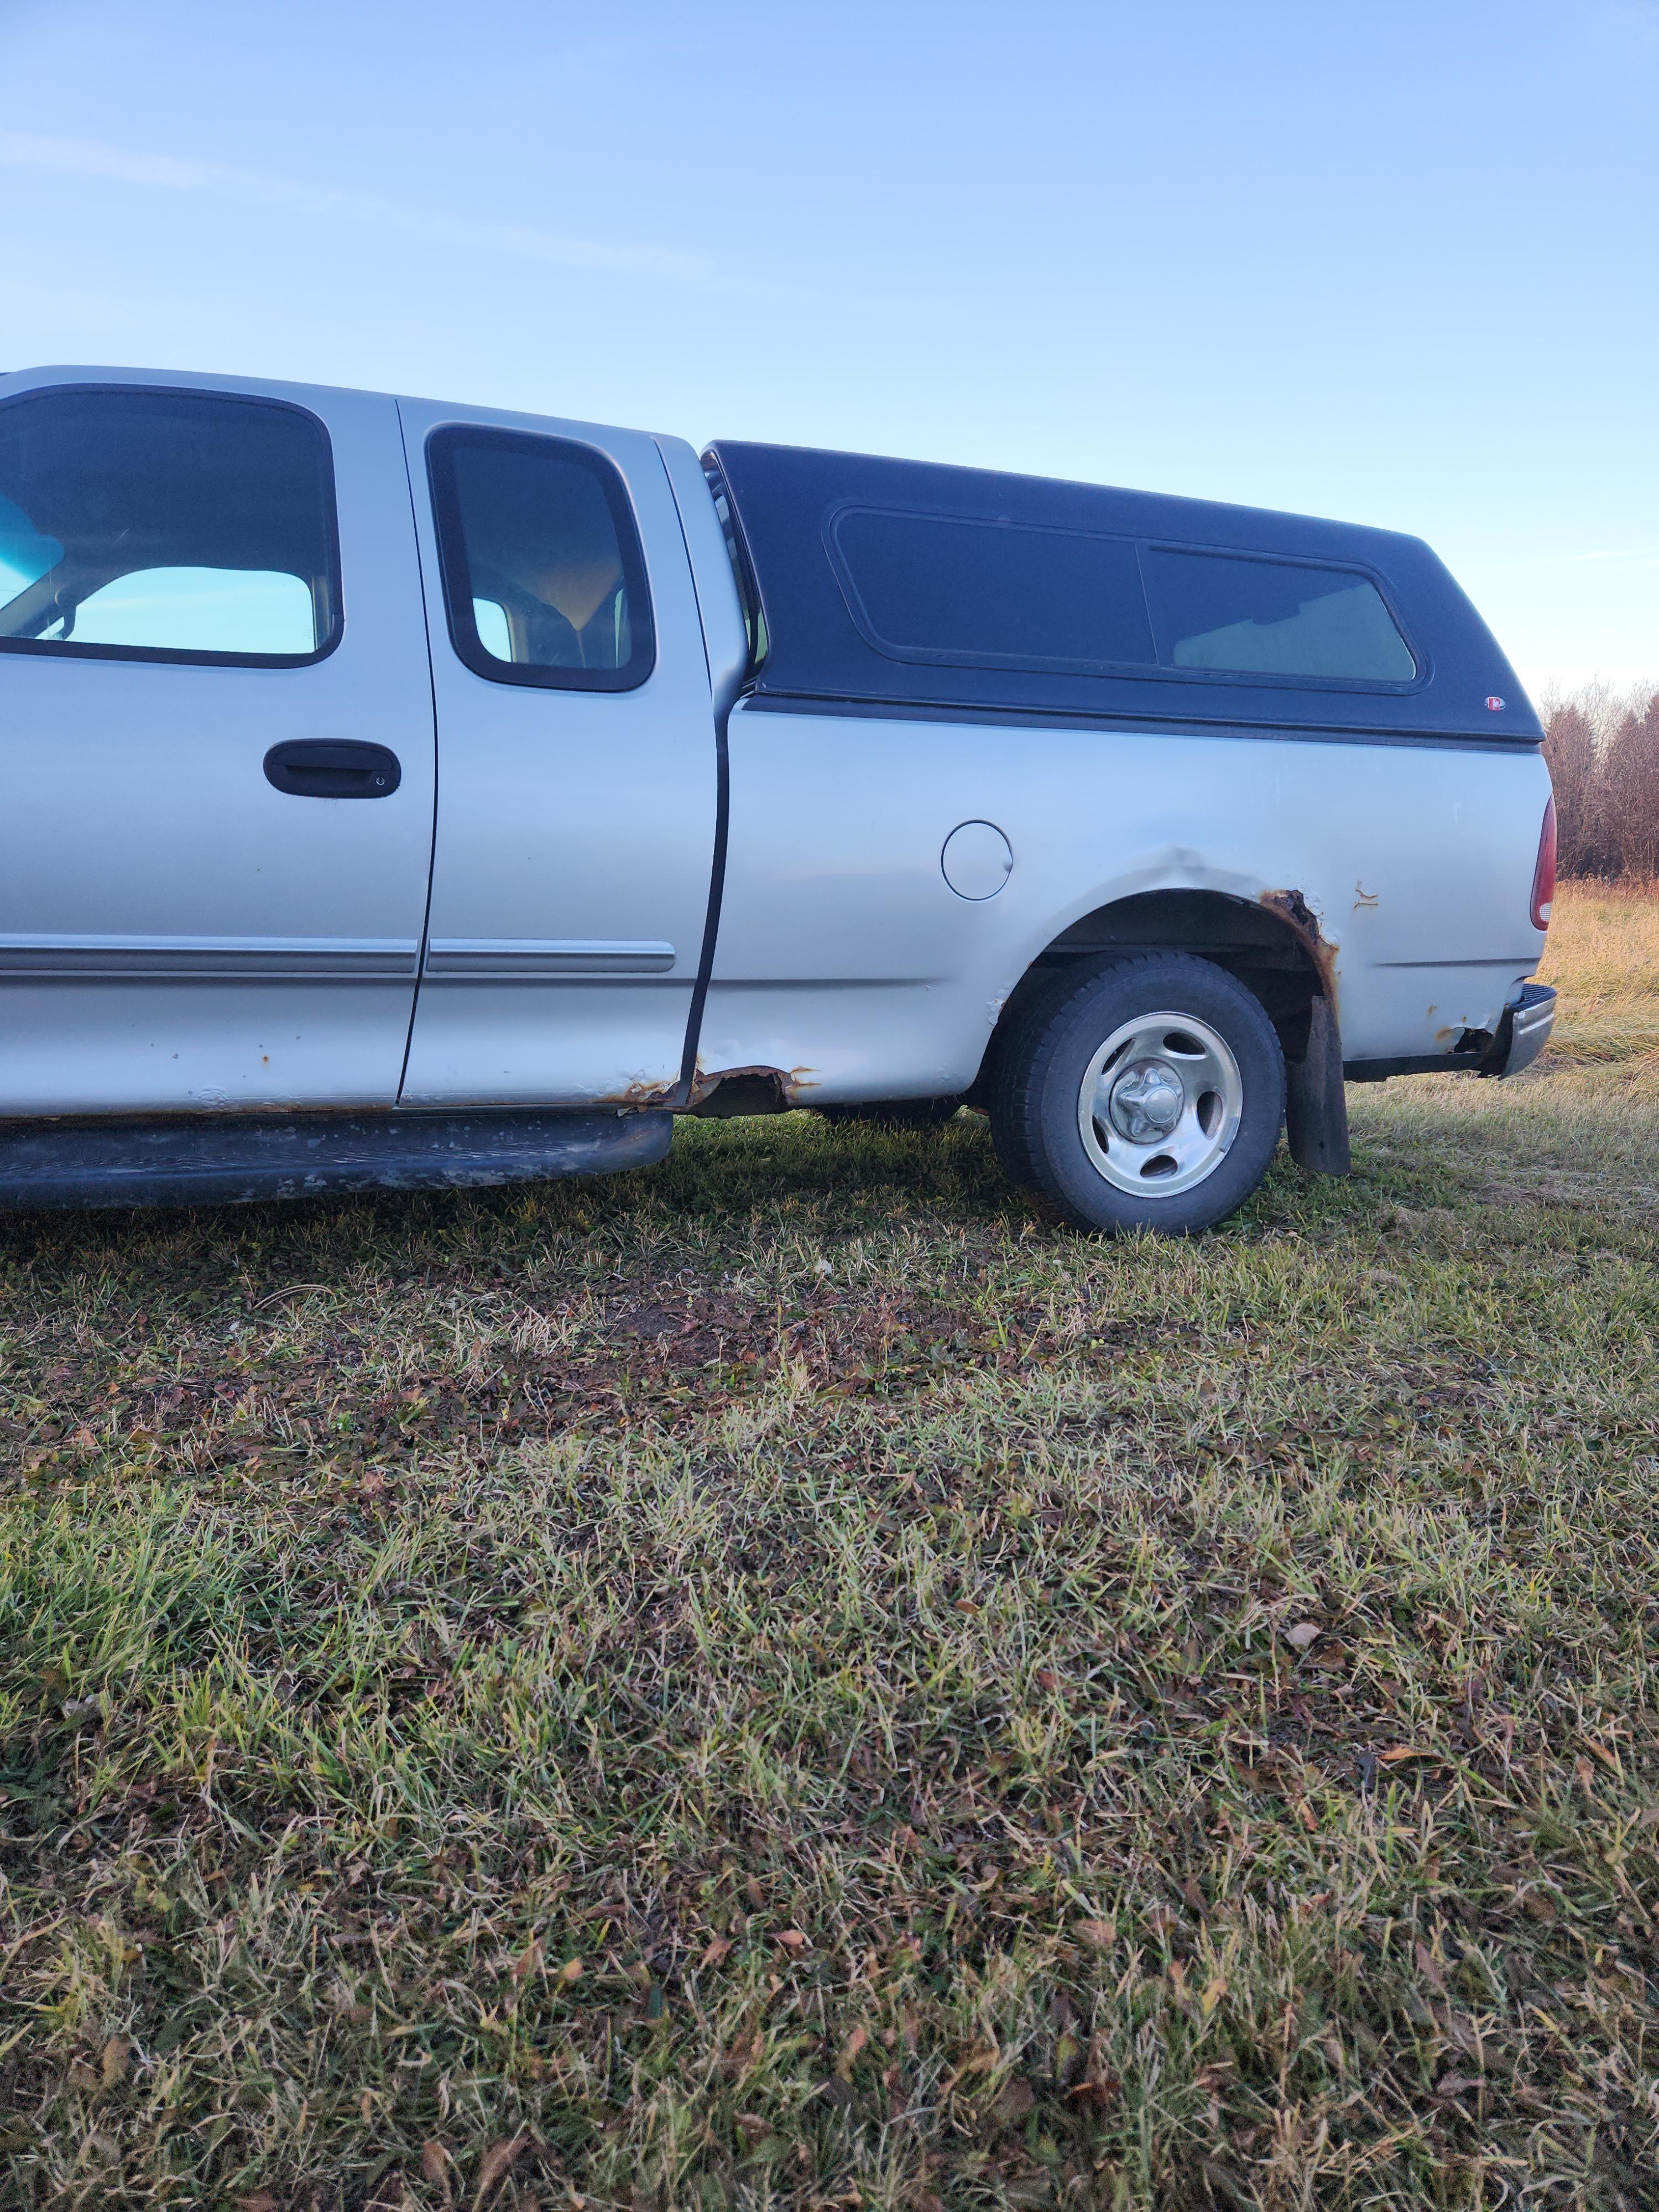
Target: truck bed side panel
{"x": 846, "y": 962}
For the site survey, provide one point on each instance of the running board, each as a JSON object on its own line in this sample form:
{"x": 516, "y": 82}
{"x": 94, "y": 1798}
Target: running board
{"x": 236, "y": 1160}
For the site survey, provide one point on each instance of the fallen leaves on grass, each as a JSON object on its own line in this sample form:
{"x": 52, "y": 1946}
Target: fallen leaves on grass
{"x": 1017, "y": 2100}
{"x": 494, "y": 2166}
{"x": 436, "y": 2164}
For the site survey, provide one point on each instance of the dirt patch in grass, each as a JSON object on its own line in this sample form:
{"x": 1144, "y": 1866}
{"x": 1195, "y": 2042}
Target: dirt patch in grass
{"x": 470, "y": 1361}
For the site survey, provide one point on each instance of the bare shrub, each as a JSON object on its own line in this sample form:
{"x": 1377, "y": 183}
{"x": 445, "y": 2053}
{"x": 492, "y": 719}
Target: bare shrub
{"x": 1602, "y": 747}
{"x": 1630, "y": 779}
{"x": 1569, "y": 749}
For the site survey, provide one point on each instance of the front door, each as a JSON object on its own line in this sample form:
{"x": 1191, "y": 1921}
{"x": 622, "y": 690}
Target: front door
{"x": 216, "y": 750}
{"x": 576, "y": 764}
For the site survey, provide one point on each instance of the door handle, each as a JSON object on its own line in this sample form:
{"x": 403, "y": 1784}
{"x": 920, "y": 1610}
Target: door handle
{"x": 333, "y": 768}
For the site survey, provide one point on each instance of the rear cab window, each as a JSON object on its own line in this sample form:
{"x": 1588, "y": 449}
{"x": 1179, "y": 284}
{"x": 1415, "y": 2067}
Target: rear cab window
{"x": 544, "y": 575}
{"x": 166, "y": 525}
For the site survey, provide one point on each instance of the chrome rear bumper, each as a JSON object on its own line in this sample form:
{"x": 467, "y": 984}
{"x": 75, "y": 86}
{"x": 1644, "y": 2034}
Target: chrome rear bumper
{"x": 1524, "y": 1030}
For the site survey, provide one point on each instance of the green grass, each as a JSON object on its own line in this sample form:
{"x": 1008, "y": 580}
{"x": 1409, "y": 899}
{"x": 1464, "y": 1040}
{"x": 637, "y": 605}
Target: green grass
{"x": 771, "y": 1681}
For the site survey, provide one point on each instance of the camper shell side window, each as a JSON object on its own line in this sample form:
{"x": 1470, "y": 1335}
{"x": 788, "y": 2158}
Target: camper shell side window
{"x": 988, "y": 593}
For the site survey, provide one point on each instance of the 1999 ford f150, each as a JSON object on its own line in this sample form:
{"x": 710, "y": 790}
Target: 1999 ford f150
{"x": 399, "y": 795}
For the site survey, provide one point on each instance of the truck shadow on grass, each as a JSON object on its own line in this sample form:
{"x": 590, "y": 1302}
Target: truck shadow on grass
{"x": 847, "y": 1262}
{"x": 784, "y": 1254}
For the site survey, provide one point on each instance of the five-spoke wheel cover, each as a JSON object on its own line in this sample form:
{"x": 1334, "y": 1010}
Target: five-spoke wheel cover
{"x": 1160, "y": 1104}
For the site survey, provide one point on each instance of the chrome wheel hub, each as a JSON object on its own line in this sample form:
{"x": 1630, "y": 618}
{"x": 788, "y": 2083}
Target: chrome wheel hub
{"x": 1160, "y": 1104}
{"x": 1145, "y": 1101}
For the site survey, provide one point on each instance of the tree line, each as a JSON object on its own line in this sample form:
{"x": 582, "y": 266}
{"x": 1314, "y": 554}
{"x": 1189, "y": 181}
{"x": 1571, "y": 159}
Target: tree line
{"x": 1602, "y": 747}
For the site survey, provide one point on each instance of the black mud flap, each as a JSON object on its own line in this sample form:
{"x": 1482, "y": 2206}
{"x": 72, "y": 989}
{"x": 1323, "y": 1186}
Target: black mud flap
{"x": 1316, "y": 1103}
{"x": 236, "y": 1160}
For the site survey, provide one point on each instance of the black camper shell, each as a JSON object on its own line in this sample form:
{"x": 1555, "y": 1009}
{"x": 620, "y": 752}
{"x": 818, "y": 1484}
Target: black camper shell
{"x": 909, "y": 587}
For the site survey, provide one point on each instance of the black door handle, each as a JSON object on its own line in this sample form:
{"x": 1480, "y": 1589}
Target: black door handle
{"x": 333, "y": 768}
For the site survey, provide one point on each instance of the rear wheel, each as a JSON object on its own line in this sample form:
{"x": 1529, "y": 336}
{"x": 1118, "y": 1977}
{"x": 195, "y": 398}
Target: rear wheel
{"x": 1147, "y": 1092}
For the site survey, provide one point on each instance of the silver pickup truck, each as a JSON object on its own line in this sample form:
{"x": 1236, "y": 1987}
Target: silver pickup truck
{"x": 402, "y": 795}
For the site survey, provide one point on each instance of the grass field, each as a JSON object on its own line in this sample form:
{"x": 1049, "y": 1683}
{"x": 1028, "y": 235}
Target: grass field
{"x": 781, "y": 1681}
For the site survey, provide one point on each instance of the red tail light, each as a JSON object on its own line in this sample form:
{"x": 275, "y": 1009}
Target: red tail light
{"x": 1543, "y": 875}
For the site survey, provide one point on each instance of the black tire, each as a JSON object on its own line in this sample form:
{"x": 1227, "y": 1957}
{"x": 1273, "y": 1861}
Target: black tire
{"x": 896, "y": 1113}
{"x": 1211, "y": 1167}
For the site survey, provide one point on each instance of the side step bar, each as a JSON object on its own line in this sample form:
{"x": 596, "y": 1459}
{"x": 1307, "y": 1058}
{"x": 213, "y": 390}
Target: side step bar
{"x": 236, "y": 1160}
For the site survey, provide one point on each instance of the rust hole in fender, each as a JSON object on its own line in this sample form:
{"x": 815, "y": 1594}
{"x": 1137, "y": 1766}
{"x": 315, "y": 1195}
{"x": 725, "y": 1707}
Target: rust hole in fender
{"x": 1293, "y": 909}
{"x": 642, "y": 1096}
{"x": 722, "y": 1093}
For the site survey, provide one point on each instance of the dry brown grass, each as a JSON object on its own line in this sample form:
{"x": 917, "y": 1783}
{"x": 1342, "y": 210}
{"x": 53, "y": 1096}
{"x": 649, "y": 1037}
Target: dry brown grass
{"x": 1604, "y": 958}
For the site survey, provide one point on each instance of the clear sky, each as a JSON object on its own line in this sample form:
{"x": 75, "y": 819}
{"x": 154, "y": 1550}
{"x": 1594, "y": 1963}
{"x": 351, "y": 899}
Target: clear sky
{"x": 1397, "y": 262}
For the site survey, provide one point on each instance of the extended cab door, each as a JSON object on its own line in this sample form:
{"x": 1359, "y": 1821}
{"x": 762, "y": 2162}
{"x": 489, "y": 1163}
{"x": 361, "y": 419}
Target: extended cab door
{"x": 575, "y": 836}
{"x": 215, "y": 746}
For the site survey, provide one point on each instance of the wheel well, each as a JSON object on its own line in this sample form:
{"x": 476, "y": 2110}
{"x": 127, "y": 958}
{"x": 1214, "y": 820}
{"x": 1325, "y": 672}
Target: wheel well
{"x": 1273, "y": 945}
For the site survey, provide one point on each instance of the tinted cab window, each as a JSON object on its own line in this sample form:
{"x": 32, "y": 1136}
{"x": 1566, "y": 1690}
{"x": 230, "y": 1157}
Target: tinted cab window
{"x": 543, "y": 578}
{"x": 166, "y": 526}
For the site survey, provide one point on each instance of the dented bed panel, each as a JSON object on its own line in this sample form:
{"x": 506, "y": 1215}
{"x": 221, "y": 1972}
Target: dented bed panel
{"x": 843, "y": 947}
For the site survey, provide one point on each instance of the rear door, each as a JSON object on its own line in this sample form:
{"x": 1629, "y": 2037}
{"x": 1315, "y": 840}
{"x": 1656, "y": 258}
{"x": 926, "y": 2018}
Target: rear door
{"x": 217, "y": 752}
{"x": 575, "y": 836}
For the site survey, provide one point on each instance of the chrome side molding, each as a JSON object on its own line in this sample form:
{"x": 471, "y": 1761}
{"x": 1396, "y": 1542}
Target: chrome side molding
{"x": 536, "y": 960}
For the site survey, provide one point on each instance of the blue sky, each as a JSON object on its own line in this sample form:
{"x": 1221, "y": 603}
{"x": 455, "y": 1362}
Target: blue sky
{"x": 1393, "y": 263}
